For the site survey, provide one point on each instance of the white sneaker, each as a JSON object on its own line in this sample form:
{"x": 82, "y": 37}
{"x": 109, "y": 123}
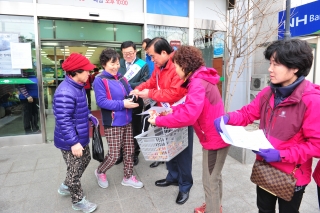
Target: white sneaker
{"x": 84, "y": 205}
{"x": 132, "y": 181}
{"x": 102, "y": 179}
{"x": 63, "y": 190}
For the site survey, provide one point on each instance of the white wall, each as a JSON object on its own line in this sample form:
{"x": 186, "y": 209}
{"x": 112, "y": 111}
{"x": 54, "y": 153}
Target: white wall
{"x": 206, "y": 9}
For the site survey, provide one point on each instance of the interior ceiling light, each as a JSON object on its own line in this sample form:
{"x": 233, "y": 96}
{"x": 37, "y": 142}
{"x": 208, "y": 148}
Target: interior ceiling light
{"x": 91, "y": 50}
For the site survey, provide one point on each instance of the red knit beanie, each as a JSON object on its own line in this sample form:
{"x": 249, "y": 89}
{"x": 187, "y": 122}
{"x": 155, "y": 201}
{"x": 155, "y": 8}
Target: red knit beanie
{"x": 76, "y": 62}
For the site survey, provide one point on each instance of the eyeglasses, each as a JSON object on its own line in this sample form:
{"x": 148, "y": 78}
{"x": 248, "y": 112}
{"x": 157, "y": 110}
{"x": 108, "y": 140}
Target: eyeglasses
{"x": 128, "y": 53}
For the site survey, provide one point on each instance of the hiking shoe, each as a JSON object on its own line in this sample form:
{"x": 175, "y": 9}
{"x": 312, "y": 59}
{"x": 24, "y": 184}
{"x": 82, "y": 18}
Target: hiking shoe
{"x": 132, "y": 181}
{"x": 201, "y": 209}
{"x": 102, "y": 179}
{"x": 84, "y": 205}
{"x": 63, "y": 190}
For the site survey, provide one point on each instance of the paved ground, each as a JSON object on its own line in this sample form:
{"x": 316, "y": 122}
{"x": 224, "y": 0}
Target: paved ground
{"x": 30, "y": 176}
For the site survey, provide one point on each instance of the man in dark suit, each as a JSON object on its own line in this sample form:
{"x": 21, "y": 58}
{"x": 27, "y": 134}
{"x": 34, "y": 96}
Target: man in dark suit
{"x": 136, "y": 71}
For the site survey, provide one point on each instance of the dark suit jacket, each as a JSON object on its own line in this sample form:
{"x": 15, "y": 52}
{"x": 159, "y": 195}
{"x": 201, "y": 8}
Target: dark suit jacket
{"x": 142, "y": 76}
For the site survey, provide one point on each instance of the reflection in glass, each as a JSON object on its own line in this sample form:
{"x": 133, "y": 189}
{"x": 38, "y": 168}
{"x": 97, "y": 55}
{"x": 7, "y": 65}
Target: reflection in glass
{"x": 19, "y": 96}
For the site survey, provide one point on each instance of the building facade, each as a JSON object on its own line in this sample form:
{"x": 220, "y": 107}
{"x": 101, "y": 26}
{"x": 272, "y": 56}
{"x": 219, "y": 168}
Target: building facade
{"x": 37, "y": 35}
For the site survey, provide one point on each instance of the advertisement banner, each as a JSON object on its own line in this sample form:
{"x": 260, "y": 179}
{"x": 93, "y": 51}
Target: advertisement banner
{"x": 5, "y": 54}
{"x": 305, "y": 20}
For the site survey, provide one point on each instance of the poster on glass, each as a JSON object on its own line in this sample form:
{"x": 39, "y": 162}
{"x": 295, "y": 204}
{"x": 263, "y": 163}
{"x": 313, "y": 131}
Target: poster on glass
{"x": 5, "y": 54}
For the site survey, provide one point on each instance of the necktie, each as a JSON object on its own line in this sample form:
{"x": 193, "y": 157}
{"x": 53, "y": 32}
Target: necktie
{"x": 128, "y": 66}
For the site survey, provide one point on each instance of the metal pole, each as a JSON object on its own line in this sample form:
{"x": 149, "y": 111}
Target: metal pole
{"x": 287, "y": 34}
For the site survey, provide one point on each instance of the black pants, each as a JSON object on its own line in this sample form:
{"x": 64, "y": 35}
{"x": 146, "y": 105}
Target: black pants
{"x": 318, "y": 187}
{"x": 146, "y": 123}
{"x": 266, "y": 202}
{"x": 30, "y": 115}
{"x": 137, "y": 125}
{"x": 88, "y": 92}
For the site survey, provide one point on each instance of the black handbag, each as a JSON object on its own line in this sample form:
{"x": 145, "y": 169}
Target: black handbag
{"x": 97, "y": 145}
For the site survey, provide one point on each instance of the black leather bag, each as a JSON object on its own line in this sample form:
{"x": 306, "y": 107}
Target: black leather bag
{"x": 97, "y": 144}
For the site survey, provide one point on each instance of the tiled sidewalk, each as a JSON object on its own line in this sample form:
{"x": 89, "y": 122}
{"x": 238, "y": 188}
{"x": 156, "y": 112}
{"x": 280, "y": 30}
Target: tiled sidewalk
{"x": 31, "y": 175}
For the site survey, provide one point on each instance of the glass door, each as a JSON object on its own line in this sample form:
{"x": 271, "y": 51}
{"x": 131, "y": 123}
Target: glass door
{"x": 52, "y": 56}
{"x": 52, "y": 75}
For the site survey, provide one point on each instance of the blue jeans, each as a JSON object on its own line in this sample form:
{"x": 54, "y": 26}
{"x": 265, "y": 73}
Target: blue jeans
{"x": 180, "y": 167}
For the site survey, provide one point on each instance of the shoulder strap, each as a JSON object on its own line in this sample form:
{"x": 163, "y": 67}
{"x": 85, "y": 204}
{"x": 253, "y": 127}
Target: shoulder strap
{"x": 125, "y": 84}
{"x": 122, "y": 80}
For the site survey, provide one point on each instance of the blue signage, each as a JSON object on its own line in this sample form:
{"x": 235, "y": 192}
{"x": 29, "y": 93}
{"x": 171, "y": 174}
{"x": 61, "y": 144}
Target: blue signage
{"x": 168, "y": 7}
{"x": 305, "y": 20}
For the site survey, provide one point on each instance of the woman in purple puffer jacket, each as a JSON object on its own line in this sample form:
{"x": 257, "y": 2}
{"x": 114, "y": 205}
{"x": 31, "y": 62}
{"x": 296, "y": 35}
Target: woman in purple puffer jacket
{"x": 71, "y": 133}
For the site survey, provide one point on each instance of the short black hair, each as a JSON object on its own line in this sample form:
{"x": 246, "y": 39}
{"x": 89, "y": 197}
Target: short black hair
{"x": 293, "y": 53}
{"x": 107, "y": 55}
{"x": 146, "y": 40}
{"x": 96, "y": 69}
{"x": 127, "y": 44}
{"x": 160, "y": 44}
{"x": 73, "y": 73}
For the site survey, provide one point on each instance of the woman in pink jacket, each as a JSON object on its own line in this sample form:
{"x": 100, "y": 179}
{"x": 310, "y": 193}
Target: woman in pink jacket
{"x": 289, "y": 114}
{"x": 203, "y": 104}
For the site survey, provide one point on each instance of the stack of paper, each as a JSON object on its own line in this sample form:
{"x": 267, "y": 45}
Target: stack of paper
{"x": 238, "y": 136}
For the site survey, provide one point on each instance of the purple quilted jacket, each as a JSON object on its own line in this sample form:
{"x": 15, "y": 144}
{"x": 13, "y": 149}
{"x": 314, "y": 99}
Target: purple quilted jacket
{"x": 71, "y": 112}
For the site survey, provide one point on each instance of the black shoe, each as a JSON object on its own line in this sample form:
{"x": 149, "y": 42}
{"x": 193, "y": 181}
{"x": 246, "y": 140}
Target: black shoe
{"x": 119, "y": 161}
{"x": 182, "y": 197}
{"x": 135, "y": 160}
{"x": 155, "y": 164}
{"x": 164, "y": 183}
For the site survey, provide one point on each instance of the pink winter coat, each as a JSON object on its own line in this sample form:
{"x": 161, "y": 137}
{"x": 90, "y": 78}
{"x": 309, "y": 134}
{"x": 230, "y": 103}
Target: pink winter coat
{"x": 292, "y": 127}
{"x": 203, "y": 104}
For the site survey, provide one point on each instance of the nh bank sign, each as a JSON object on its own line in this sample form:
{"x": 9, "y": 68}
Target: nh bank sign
{"x": 305, "y": 20}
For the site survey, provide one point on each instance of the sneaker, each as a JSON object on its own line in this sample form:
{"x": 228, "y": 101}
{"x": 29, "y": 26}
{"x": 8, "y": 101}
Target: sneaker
{"x": 63, "y": 190}
{"x": 84, "y": 205}
{"x": 132, "y": 181}
{"x": 201, "y": 209}
{"x": 102, "y": 179}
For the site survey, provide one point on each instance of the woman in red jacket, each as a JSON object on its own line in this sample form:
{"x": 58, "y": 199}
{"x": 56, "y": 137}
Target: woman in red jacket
{"x": 203, "y": 104}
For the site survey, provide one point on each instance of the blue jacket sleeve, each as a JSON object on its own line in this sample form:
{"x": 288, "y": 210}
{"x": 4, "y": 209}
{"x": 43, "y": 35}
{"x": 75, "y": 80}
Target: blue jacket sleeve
{"x": 101, "y": 97}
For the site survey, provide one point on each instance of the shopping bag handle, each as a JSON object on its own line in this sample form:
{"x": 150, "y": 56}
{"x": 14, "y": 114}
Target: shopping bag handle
{"x": 144, "y": 121}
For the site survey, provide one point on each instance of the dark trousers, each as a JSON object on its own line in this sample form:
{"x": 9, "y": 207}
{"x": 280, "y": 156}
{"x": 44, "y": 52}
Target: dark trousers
{"x": 266, "y": 202}
{"x": 180, "y": 167}
{"x": 137, "y": 125}
{"x": 145, "y": 121}
{"x": 88, "y": 92}
{"x": 318, "y": 187}
{"x": 30, "y": 115}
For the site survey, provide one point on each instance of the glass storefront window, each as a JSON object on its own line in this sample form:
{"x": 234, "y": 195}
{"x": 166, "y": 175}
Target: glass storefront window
{"x": 176, "y": 34}
{"x": 89, "y": 31}
{"x": 46, "y": 29}
{"x": 19, "y": 0}
{"x": 19, "y": 99}
{"x": 128, "y": 33}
